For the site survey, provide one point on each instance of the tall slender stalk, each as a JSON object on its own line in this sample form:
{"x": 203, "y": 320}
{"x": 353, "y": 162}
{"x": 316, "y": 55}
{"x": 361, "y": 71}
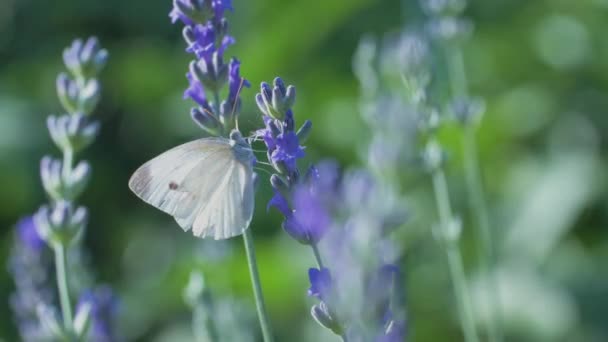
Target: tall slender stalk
{"x": 454, "y": 257}
{"x": 62, "y": 286}
{"x": 257, "y": 286}
{"x": 485, "y": 245}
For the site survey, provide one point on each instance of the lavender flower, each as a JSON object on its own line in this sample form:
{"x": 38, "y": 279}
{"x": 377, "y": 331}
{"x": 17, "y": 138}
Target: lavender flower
{"x": 356, "y": 286}
{"x": 30, "y": 265}
{"x": 283, "y": 151}
{"x": 206, "y": 33}
{"x": 103, "y": 306}
{"x": 59, "y": 224}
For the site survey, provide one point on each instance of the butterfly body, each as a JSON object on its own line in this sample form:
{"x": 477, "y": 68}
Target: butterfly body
{"x": 206, "y": 185}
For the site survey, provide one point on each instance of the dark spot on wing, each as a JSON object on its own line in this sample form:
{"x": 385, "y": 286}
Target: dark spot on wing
{"x": 172, "y": 185}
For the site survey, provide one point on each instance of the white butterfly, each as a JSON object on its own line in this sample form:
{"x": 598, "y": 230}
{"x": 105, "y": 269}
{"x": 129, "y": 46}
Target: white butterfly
{"x": 206, "y": 185}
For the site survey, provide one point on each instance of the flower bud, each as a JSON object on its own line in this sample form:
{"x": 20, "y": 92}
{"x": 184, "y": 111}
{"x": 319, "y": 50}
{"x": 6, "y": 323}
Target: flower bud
{"x": 279, "y": 183}
{"x": 206, "y": 121}
{"x": 72, "y": 132}
{"x": 276, "y": 101}
{"x": 212, "y": 74}
{"x": 194, "y": 11}
{"x": 321, "y": 314}
{"x": 304, "y": 131}
{"x": 67, "y": 91}
{"x": 85, "y": 60}
{"x": 82, "y": 320}
{"x": 63, "y": 185}
{"x": 61, "y": 224}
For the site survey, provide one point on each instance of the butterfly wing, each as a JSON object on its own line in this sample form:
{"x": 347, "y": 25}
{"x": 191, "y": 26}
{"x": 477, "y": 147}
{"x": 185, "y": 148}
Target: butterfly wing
{"x": 159, "y": 182}
{"x": 202, "y": 184}
{"x": 226, "y": 208}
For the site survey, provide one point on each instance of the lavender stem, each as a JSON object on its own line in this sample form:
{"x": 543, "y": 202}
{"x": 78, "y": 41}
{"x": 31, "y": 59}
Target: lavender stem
{"x": 62, "y": 285}
{"x": 315, "y": 250}
{"x": 454, "y": 257}
{"x": 257, "y": 286}
{"x": 474, "y": 186}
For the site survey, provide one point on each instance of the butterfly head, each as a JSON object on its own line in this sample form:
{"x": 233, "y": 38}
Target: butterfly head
{"x": 240, "y": 147}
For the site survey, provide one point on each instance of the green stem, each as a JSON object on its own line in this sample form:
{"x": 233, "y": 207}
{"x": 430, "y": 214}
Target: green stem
{"x": 315, "y": 250}
{"x": 257, "y": 286}
{"x": 454, "y": 257}
{"x": 485, "y": 246}
{"x": 62, "y": 286}
{"x": 68, "y": 157}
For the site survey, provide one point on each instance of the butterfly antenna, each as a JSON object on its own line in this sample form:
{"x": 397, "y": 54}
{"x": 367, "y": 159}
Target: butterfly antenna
{"x": 238, "y": 93}
{"x": 264, "y": 170}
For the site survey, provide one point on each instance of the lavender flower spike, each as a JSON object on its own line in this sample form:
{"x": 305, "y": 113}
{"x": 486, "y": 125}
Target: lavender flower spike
{"x": 206, "y": 33}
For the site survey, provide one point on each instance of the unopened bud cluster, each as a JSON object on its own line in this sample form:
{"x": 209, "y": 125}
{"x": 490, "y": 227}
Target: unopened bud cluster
{"x": 78, "y": 91}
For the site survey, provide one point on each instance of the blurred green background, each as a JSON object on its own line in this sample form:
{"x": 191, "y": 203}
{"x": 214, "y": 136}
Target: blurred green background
{"x": 542, "y": 67}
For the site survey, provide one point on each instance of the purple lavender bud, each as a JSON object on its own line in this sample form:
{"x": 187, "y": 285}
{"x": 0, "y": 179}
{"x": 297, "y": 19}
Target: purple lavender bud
{"x": 72, "y": 132}
{"x": 310, "y": 219}
{"x": 191, "y": 12}
{"x": 28, "y": 234}
{"x": 290, "y": 97}
{"x": 89, "y": 96}
{"x": 201, "y": 41}
{"x": 304, "y": 131}
{"x": 78, "y": 97}
{"x": 235, "y": 83}
{"x": 220, "y": 6}
{"x": 63, "y": 185}
{"x": 279, "y": 183}
{"x": 61, "y": 224}
{"x": 85, "y": 60}
{"x": 30, "y": 265}
{"x": 103, "y": 306}
{"x": 287, "y": 151}
{"x": 67, "y": 91}
{"x": 196, "y": 92}
{"x": 320, "y": 283}
{"x": 321, "y": 314}
{"x": 206, "y": 121}
{"x": 259, "y": 100}
{"x": 212, "y": 75}
{"x": 276, "y": 101}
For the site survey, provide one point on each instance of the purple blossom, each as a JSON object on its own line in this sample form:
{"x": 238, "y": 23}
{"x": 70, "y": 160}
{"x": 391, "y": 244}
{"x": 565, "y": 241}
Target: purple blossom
{"x": 219, "y": 6}
{"x": 207, "y": 38}
{"x": 235, "y": 81}
{"x": 320, "y": 283}
{"x": 28, "y": 234}
{"x": 30, "y": 264}
{"x": 103, "y": 313}
{"x": 203, "y": 44}
{"x": 279, "y": 202}
{"x": 287, "y": 150}
{"x": 195, "y": 91}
